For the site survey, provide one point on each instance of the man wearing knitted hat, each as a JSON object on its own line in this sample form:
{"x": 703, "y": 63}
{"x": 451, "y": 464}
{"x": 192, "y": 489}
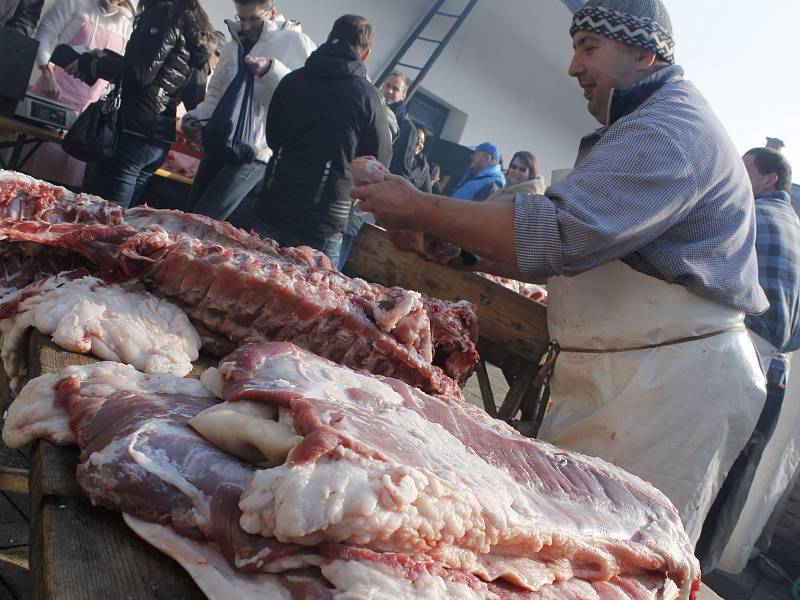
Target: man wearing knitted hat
{"x": 648, "y": 252}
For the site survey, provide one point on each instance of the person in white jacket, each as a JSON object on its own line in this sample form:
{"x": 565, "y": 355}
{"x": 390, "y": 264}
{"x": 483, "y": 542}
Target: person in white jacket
{"x": 85, "y": 25}
{"x": 273, "y": 46}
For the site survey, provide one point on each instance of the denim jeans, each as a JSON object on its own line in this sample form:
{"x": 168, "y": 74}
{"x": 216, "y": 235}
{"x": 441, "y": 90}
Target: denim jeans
{"x": 328, "y": 245}
{"x": 219, "y": 187}
{"x": 122, "y": 177}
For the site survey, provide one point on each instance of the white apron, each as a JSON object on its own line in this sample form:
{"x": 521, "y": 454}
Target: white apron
{"x": 677, "y": 415}
{"x": 776, "y": 470}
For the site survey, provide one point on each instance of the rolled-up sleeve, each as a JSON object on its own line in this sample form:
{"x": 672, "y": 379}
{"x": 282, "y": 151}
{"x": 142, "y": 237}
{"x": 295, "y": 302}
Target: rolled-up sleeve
{"x": 633, "y": 186}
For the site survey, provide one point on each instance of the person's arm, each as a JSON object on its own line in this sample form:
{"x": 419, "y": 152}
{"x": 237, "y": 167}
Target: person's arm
{"x": 26, "y": 17}
{"x": 615, "y": 203}
{"x": 266, "y": 82}
{"x": 216, "y": 86}
{"x": 376, "y": 140}
{"x": 54, "y": 22}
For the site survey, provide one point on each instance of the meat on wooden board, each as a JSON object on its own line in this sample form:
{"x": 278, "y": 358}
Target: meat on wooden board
{"x": 389, "y": 488}
{"x": 238, "y": 286}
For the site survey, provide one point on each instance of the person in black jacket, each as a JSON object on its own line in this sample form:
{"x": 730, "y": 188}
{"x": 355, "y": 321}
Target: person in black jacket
{"x": 25, "y": 15}
{"x": 394, "y": 90}
{"x": 321, "y": 117}
{"x": 171, "y": 39}
{"x": 420, "y": 174}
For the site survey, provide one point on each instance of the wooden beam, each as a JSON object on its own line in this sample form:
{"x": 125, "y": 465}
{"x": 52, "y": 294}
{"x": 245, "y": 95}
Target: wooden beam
{"x": 510, "y": 321}
{"x": 13, "y": 480}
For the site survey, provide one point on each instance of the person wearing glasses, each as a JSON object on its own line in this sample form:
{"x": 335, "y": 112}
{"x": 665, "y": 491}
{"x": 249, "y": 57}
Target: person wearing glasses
{"x": 522, "y": 177}
{"x": 273, "y": 46}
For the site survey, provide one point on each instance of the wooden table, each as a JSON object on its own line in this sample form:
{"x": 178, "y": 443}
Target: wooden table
{"x": 34, "y": 135}
{"x": 513, "y": 329}
{"x": 26, "y": 134}
{"x": 77, "y": 551}
{"x": 81, "y": 552}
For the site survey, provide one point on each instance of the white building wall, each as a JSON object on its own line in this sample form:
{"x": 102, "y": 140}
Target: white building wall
{"x": 506, "y": 68}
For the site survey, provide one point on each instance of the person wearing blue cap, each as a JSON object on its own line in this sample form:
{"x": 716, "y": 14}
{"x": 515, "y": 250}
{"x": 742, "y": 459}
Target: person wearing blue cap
{"x": 483, "y": 174}
{"x": 648, "y": 250}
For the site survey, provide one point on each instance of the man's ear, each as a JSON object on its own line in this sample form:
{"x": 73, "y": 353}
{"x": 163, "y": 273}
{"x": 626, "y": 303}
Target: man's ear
{"x": 273, "y": 12}
{"x": 644, "y": 59}
{"x": 771, "y": 181}
{"x": 365, "y": 55}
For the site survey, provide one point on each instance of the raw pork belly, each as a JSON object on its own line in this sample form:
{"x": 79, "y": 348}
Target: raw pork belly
{"x": 240, "y": 287}
{"x": 386, "y": 466}
{"x": 84, "y": 314}
{"x": 391, "y": 493}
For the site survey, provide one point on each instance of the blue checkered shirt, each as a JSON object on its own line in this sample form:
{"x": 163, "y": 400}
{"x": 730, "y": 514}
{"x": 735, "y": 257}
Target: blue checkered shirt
{"x": 778, "y": 249}
{"x": 662, "y": 188}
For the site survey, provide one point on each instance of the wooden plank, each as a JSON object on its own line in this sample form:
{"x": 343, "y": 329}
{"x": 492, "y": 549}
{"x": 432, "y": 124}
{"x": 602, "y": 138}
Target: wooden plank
{"x": 78, "y": 551}
{"x": 486, "y": 390}
{"x": 82, "y": 552}
{"x": 13, "y": 480}
{"x": 14, "y": 573}
{"x": 14, "y": 535}
{"x": 512, "y": 322}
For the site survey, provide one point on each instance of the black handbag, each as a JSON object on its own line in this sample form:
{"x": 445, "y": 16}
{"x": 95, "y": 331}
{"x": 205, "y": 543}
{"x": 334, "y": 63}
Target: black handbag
{"x": 93, "y": 135}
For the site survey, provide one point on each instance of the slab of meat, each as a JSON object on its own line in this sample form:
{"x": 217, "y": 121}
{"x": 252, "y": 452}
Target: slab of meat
{"x": 529, "y": 290}
{"x": 25, "y": 199}
{"x": 114, "y": 322}
{"x": 241, "y": 295}
{"x": 386, "y": 466}
{"x": 468, "y": 508}
{"x": 23, "y": 264}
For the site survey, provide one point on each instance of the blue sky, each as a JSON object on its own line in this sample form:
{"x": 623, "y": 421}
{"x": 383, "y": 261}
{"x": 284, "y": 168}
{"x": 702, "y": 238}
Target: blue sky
{"x": 745, "y": 58}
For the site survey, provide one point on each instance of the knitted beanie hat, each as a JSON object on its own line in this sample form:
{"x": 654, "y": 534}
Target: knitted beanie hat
{"x": 642, "y": 23}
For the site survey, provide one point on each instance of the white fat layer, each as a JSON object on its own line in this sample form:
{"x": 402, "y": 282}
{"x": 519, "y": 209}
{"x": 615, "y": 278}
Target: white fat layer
{"x": 372, "y": 581}
{"x": 207, "y": 567}
{"x": 110, "y": 321}
{"x": 33, "y": 413}
{"x": 260, "y": 441}
{"x": 212, "y": 380}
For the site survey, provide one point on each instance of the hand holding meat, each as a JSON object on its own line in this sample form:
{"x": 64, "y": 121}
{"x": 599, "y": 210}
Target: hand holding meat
{"x": 393, "y": 202}
{"x": 367, "y": 169}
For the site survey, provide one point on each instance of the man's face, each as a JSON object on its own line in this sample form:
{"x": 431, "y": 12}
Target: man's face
{"x": 600, "y": 65}
{"x": 420, "y": 142}
{"x": 761, "y": 183}
{"x": 251, "y": 17}
{"x": 394, "y": 89}
{"x": 480, "y": 160}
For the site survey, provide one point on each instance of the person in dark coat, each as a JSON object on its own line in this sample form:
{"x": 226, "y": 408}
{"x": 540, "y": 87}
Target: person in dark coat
{"x": 420, "y": 174}
{"x": 395, "y": 90}
{"x": 22, "y": 16}
{"x": 171, "y": 40}
{"x": 321, "y": 117}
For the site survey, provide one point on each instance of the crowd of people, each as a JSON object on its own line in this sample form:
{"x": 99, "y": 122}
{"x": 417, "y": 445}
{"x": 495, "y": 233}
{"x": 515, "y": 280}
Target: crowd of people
{"x": 658, "y": 248}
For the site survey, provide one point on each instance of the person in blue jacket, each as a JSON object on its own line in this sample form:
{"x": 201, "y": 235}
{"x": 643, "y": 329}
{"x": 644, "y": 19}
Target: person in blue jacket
{"x": 484, "y": 171}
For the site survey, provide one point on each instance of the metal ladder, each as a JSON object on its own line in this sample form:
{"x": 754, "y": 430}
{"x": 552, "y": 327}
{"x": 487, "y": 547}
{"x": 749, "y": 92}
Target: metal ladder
{"x": 436, "y": 46}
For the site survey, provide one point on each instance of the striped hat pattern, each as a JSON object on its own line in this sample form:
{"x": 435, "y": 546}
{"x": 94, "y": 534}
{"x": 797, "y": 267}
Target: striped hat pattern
{"x": 642, "y": 23}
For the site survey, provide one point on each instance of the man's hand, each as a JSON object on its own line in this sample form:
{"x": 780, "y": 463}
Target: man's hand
{"x": 50, "y": 87}
{"x": 395, "y": 202}
{"x": 259, "y": 65}
{"x": 73, "y": 70}
{"x": 192, "y": 129}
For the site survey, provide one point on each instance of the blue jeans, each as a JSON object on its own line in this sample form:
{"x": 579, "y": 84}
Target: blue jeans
{"x": 328, "y": 245}
{"x": 219, "y": 187}
{"x": 122, "y": 177}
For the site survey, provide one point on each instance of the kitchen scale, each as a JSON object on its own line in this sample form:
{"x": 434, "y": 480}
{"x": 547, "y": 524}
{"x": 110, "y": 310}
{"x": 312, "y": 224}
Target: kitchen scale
{"x": 46, "y": 111}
